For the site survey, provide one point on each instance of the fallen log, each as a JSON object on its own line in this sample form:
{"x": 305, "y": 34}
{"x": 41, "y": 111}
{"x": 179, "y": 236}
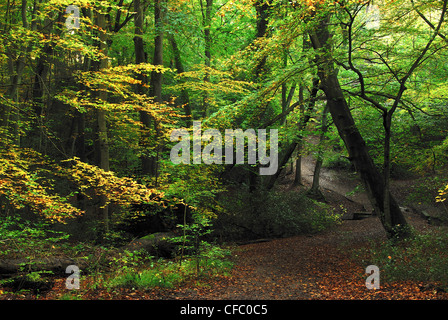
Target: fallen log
{"x": 57, "y": 265}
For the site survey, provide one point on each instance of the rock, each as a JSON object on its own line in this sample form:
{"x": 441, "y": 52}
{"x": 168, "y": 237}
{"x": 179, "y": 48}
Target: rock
{"x": 159, "y": 244}
{"x": 356, "y": 215}
{"x": 432, "y": 216}
{"x": 348, "y": 216}
{"x": 405, "y": 210}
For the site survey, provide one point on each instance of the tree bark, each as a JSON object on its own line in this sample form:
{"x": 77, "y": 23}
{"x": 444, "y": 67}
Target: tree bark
{"x": 103, "y": 142}
{"x": 9, "y": 267}
{"x": 373, "y": 181}
{"x": 150, "y": 162}
{"x": 262, "y": 8}
{"x": 314, "y": 190}
{"x": 207, "y": 20}
{"x": 259, "y": 74}
{"x": 16, "y": 68}
{"x": 302, "y": 125}
{"x": 141, "y": 57}
{"x": 156, "y": 77}
{"x": 184, "y": 98}
{"x": 283, "y": 159}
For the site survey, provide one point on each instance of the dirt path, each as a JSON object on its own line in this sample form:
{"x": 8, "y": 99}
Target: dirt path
{"x": 312, "y": 267}
{"x": 341, "y": 182}
{"x": 306, "y": 267}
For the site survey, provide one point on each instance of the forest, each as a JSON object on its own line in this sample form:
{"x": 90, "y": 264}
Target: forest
{"x": 222, "y": 149}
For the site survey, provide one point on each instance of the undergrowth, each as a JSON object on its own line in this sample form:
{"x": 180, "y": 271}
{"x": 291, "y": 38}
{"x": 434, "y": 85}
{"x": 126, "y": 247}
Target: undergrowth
{"x": 273, "y": 215}
{"x": 421, "y": 258}
{"x": 169, "y": 273}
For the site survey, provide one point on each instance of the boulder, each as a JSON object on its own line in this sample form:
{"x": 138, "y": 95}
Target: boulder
{"x": 159, "y": 244}
{"x": 433, "y": 216}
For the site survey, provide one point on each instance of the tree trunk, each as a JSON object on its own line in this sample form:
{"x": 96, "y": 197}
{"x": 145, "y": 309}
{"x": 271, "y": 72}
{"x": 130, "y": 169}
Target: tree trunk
{"x": 283, "y": 159}
{"x": 261, "y": 7}
{"x": 156, "y": 77}
{"x": 207, "y": 21}
{"x": 184, "y": 98}
{"x": 42, "y": 70}
{"x": 208, "y": 44}
{"x": 141, "y": 57}
{"x": 16, "y": 68}
{"x": 356, "y": 147}
{"x": 9, "y": 267}
{"x": 150, "y": 162}
{"x": 314, "y": 190}
{"x": 302, "y": 125}
{"x": 286, "y": 96}
{"x": 298, "y": 173}
{"x": 103, "y": 143}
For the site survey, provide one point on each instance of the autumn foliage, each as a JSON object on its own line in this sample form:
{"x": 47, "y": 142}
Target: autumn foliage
{"x": 354, "y": 87}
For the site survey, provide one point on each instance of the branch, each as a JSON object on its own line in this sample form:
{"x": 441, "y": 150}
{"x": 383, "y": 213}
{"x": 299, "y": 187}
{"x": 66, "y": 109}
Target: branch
{"x": 420, "y": 58}
{"x": 352, "y": 67}
{"x": 428, "y": 22}
{"x": 407, "y": 104}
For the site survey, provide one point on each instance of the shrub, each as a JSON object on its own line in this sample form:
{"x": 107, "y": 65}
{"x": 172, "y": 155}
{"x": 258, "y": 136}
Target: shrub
{"x": 421, "y": 258}
{"x": 336, "y": 161}
{"x": 274, "y": 215}
{"x": 20, "y": 238}
{"x": 424, "y": 190}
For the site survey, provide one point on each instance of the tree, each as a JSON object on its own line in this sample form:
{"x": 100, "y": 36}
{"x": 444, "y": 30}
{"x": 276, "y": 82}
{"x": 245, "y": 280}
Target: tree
{"x": 183, "y": 99}
{"x": 206, "y": 22}
{"x": 402, "y": 76}
{"x": 394, "y": 223}
{"x": 314, "y": 190}
{"x": 150, "y": 162}
{"x": 103, "y": 140}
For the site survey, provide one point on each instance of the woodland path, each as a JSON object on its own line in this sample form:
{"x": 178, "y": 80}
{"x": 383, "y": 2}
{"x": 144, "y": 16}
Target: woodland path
{"x": 312, "y": 267}
{"x": 341, "y": 182}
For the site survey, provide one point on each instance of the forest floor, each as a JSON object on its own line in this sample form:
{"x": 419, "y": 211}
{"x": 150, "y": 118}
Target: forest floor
{"x": 319, "y": 266}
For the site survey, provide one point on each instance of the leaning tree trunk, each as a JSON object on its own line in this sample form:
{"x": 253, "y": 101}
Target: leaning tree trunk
{"x": 395, "y": 224}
